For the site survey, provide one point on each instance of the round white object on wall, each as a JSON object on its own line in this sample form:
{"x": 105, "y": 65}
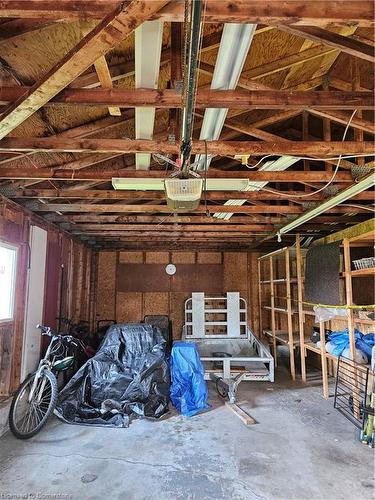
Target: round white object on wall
{"x": 170, "y": 269}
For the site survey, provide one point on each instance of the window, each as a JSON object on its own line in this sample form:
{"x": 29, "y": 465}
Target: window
{"x": 8, "y": 263}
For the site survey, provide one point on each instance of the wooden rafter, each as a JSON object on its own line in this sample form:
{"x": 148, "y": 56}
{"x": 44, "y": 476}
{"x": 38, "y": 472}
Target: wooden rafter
{"x": 108, "y": 33}
{"x": 104, "y": 76}
{"x": 345, "y": 44}
{"x": 243, "y": 11}
{"x": 338, "y": 117}
{"x": 19, "y": 27}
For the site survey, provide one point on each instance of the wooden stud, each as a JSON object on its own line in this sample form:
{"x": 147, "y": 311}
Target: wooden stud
{"x": 323, "y": 355}
{"x": 260, "y": 300}
{"x": 301, "y": 316}
{"x": 273, "y": 318}
{"x": 349, "y": 296}
{"x": 289, "y": 315}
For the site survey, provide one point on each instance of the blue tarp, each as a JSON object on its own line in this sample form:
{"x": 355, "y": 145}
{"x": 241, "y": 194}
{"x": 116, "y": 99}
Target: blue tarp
{"x": 188, "y": 390}
{"x": 362, "y": 342}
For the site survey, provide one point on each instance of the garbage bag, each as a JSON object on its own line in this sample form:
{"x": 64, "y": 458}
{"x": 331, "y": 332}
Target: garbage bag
{"x": 189, "y": 392}
{"x": 366, "y": 344}
{"x": 127, "y": 377}
{"x": 327, "y": 313}
{"x": 359, "y": 356}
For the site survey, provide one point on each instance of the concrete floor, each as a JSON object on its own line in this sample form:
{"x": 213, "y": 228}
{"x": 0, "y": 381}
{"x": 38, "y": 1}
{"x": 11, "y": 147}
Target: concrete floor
{"x": 301, "y": 449}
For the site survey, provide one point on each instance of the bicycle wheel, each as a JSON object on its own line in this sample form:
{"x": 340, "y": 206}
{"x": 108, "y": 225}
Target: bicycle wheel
{"x": 27, "y": 418}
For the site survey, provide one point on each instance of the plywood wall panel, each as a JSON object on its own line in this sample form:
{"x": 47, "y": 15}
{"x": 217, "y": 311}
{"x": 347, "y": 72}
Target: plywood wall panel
{"x": 176, "y": 315}
{"x": 129, "y": 307}
{"x": 209, "y": 257}
{"x": 130, "y": 257}
{"x": 146, "y": 296}
{"x": 235, "y": 272}
{"x": 183, "y": 257}
{"x": 106, "y": 286}
{"x": 157, "y": 257}
{"x": 155, "y": 303}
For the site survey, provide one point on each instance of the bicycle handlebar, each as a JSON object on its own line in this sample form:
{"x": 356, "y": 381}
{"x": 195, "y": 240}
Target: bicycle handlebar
{"x": 46, "y": 330}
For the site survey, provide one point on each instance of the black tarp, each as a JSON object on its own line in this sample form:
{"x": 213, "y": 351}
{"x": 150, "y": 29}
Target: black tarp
{"x": 128, "y": 376}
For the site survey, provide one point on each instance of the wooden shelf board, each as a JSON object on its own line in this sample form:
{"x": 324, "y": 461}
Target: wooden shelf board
{"x": 370, "y": 271}
{"x": 278, "y": 281}
{"x": 312, "y": 347}
{"x": 282, "y": 336}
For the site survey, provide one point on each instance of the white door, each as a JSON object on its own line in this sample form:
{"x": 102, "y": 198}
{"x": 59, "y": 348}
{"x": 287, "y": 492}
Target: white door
{"x": 34, "y": 300}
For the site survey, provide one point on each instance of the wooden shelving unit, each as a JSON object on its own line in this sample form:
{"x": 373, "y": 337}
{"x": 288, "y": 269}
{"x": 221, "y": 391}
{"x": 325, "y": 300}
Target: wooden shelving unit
{"x": 358, "y": 289}
{"x": 279, "y": 285}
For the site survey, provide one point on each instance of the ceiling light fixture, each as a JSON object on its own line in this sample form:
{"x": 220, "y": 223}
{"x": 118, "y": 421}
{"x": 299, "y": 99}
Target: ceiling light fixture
{"x": 135, "y": 183}
{"x": 357, "y": 188}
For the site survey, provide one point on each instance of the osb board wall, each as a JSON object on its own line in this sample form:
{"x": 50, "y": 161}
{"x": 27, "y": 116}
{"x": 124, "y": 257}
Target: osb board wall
{"x": 61, "y": 250}
{"x": 239, "y": 273}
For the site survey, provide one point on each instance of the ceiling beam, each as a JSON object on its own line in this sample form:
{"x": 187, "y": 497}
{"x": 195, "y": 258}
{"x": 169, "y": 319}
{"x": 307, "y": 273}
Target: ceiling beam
{"x": 345, "y": 44}
{"x": 120, "y": 208}
{"x": 190, "y": 218}
{"x": 103, "y": 194}
{"x": 107, "y": 174}
{"x": 334, "y": 115}
{"x": 230, "y": 148}
{"x": 209, "y": 228}
{"x": 206, "y": 98}
{"x": 106, "y": 35}
{"x": 359, "y": 12}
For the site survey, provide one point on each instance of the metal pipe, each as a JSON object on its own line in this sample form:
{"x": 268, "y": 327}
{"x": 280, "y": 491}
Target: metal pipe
{"x": 191, "y": 76}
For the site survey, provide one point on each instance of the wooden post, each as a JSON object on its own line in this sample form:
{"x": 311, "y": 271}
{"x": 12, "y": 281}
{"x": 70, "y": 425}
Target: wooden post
{"x": 323, "y": 359}
{"x": 273, "y": 320}
{"x": 289, "y": 315}
{"x": 301, "y": 316}
{"x": 260, "y": 299}
{"x": 349, "y": 296}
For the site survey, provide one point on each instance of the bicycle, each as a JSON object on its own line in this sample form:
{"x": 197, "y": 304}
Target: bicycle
{"x": 36, "y": 398}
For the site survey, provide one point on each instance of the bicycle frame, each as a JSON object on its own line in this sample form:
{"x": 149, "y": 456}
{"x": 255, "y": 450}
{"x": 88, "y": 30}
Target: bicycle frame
{"x": 44, "y": 364}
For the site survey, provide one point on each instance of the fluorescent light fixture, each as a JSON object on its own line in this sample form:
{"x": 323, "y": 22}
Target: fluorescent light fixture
{"x": 366, "y": 183}
{"x": 134, "y": 183}
{"x": 148, "y": 44}
{"x": 234, "y": 47}
{"x": 278, "y": 165}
